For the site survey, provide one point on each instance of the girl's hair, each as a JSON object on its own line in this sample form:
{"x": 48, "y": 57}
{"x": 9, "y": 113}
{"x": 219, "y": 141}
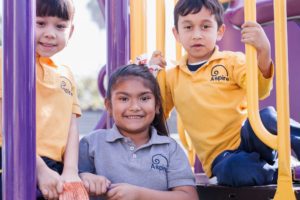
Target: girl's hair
{"x": 63, "y": 9}
{"x": 141, "y": 71}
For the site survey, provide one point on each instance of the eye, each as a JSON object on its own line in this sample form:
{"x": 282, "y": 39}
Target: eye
{"x": 40, "y": 24}
{"x": 205, "y": 26}
{"x": 123, "y": 99}
{"x": 61, "y": 26}
{"x": 145, "y": 98}
{"x": 187, "y": 27}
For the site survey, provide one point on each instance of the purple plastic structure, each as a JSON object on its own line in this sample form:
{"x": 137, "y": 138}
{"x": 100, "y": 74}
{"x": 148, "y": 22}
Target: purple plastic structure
{"x": 19, "y": 100}
{"x": 233, "y": 19}
{"x": 117, "y": 29}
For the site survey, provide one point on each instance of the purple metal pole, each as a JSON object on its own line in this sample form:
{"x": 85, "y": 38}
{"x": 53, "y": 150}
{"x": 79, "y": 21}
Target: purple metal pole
{"x": 19, "y": 100}
{"x": 117, "y": 29}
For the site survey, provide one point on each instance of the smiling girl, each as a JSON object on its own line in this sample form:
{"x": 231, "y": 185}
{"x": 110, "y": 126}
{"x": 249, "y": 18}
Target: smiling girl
{"x": 135, "y": 159}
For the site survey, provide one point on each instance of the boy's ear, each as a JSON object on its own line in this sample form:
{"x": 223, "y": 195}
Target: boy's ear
{"x": 176, "y": 35}
{"x": 107, "y": 104}
{"x": 221, "y": 32}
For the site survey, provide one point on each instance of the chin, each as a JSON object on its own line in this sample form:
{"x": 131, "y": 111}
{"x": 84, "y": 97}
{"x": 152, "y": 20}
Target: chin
{"x": 46, "y": 55}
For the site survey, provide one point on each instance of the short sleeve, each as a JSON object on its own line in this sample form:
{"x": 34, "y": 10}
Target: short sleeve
{"x": 179, "y": 170}
{"x": 76, "y": 107}
{"x": 86, "y": 160}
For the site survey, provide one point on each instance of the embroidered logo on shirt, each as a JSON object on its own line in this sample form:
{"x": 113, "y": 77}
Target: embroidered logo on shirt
{"x": 219, "y": 73}
{"x": 66, "y": 85}
{"x": 159, "y": 162}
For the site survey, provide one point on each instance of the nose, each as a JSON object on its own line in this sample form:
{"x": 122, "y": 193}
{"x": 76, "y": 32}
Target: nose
{"x": 49, "y": 33}
{"x": 197, "y": 34}
{"x": 135, "y": 106}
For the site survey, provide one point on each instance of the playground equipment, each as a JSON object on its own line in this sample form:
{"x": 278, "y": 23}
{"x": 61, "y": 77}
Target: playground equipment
{"x": 19, "y": 89}
{"x": 281, "y": 142}
{"x": 19, "y": 181}
{"x": 233, "y": 20}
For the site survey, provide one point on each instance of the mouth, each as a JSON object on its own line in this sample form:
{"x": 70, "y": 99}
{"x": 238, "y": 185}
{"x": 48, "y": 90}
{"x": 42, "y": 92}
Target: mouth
{"x": 134, "y": 116}
{"x": 197, "y": 45}
{"x": 47, "y": 45}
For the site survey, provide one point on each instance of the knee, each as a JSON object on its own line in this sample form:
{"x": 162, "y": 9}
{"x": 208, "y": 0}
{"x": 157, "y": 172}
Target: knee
{"x": 230, "y": 173}
{"x": 244, "y": 170}
{"x": 268, "y": 113}
{"x": 269, "y": 119}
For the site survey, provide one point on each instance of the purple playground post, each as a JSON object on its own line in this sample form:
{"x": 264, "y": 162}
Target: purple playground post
{"x": 117, "y": 30}
{"x": 19, "y": 180}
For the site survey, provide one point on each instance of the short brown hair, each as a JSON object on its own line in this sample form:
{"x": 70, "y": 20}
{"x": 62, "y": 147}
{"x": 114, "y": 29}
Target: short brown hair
{"x": 185, "y": 7}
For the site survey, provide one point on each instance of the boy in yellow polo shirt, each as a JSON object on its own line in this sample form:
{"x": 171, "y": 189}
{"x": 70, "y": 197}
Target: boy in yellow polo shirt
{"x": 208, "y": 90}
{"x": 57, "y": 105}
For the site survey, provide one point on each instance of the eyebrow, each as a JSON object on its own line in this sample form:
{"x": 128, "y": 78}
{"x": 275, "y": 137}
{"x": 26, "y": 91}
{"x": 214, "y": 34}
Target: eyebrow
{"x": 127, "y": 94}
{"x": 203, "y": 21}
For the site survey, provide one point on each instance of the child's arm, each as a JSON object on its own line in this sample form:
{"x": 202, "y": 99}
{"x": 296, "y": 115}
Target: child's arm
{"x": 70, "y": 171}
{"x": 94, "y": 184}
{"x": 124, "y": 191}
{"x": 253, "y": 34}
{"x": 49, "y": 181}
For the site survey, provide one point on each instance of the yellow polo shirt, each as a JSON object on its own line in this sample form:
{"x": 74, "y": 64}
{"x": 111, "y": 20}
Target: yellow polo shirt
{"x": 211, "y": 102}
{"x": 56, "y": 101}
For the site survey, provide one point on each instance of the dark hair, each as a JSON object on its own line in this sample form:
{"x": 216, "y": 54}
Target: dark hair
{"x": 185, "y": 7}
{"x": 142, "y": 72}
{"x": 63, "y": 9}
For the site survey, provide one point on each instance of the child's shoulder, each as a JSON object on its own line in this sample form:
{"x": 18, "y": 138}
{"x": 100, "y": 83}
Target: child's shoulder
{"x": 232, "y": 54}
{"x": 170, "y": 142}
{"x": 231, "y": 57}
{"x": 96, "y": 135}
{"x": 65, "y": 71}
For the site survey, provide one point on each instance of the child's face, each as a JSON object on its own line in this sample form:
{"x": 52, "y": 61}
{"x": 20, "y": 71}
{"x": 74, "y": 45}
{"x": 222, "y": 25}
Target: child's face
{"x": 51, "y": 35}
{"x": 132, "y": 106}
{"x": 198, "y": 34}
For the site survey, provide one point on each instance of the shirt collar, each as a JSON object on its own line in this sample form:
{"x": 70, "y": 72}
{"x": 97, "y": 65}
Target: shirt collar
{"x": 114, "y": 135}
{"x": 45, "y": 61}
{"x": 216, "y": 55}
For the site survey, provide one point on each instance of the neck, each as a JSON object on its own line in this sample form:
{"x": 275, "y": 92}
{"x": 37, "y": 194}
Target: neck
{"x": 138, "y": 138}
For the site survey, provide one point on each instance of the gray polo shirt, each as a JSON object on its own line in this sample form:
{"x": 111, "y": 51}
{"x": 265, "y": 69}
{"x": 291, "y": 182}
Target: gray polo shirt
{"x": 160, "y": 164}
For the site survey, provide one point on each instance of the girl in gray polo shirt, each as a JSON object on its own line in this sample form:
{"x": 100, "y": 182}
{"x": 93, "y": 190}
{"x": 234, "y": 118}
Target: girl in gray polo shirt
{"x": 135, "y": 159}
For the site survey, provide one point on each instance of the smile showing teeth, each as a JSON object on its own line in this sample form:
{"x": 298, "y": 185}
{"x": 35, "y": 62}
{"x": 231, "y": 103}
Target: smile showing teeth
{"x": 47, "y": 45}
{"x": 134, "y": 117}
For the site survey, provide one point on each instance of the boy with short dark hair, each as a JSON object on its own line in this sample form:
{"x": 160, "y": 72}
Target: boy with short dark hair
{"x": 57, "y": 106}
{"x": 214, "y": 84}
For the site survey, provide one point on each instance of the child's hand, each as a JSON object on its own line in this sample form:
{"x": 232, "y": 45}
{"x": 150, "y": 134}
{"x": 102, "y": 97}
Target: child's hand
{"x": 49, "y": 182}
{"x": 253, "y": 34}
{"x": 157, "y": 59}
{"x": 122, "y": 191}
{"x": 68, "y": 176}
{"x": 95, "y": 184}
